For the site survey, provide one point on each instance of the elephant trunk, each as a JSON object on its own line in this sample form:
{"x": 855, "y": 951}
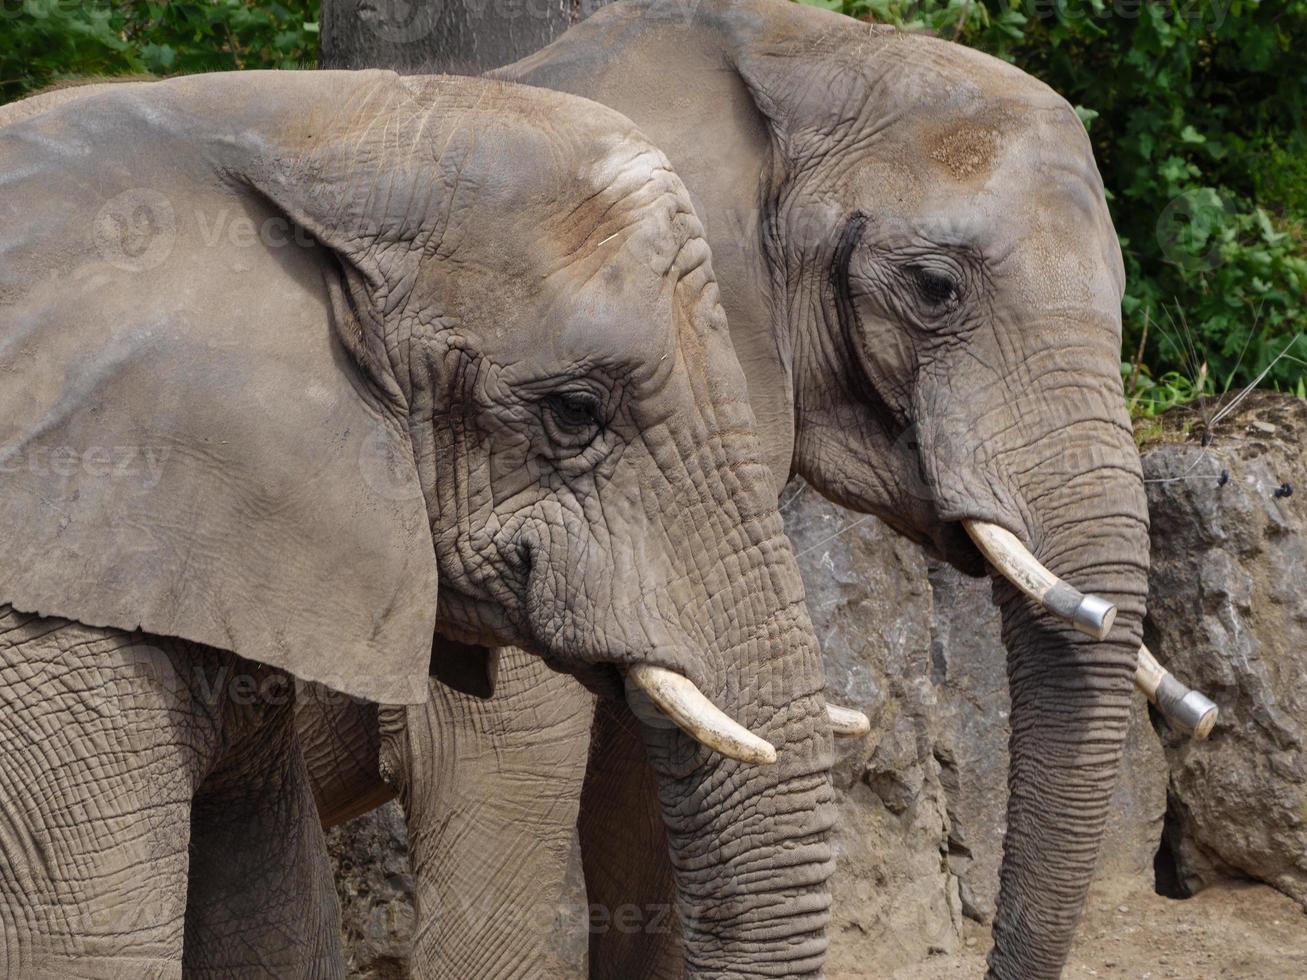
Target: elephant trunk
{"x": 749, "y": 843}
{"x": 1071, "y": 697}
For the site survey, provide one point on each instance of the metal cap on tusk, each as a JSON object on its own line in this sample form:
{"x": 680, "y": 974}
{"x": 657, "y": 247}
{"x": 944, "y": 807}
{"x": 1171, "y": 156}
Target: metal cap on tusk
{"x": 1194, "y": 713}
{"x": 1088, "y": 613}
{"x": 1185, "y": 709}
{"x": 682, "y": 702}
{"x": 846, "y": 722}
{"x": 1094, "y": 616}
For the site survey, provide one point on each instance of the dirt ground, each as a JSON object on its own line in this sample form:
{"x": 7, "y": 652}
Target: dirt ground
{"x": 1231, "y": 932}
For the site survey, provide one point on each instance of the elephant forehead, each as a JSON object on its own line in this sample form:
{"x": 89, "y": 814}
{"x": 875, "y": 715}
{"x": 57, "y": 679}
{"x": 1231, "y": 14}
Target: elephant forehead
{"x": 557, "y": 204}
{"x": 982, "y": 169}
{"x": 629, "y": 195}
{"x": 629, "y": 266}
{"x": 611, "y": 260}
{"x": 618, "y": 306}
{"x": 966, "y": 150}
{"x": 546, "y": 313}
{"x": 943, "y": 111}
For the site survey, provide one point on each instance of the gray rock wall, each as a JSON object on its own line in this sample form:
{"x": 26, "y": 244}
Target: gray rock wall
{"x": 1228, "y": 612}
{"x": 375, "y": 887}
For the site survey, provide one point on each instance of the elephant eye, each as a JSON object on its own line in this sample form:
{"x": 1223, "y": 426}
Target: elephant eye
{"x": 572, "y": 418}
{"x": 936, "y": 288}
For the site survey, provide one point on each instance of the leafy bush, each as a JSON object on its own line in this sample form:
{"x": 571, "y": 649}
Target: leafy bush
{"x": 1196, "y": 112}
{"x": 45, "y": 41}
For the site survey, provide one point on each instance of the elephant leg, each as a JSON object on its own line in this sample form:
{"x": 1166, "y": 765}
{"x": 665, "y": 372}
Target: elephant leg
{"x": 262, "y": 902}
{"x": 339, "y": 738}
{"x": 102, "y": 742}
{"x": 490, "y": 791}
{"x": 628, "y": 873}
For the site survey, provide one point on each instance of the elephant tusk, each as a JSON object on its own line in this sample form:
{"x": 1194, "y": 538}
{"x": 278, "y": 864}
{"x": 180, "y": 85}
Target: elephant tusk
{"x": 1188, "y": 710}
{"x": 698, "y": 717}
{"x": 846, "y": 722}
{"x": 1087, "y": 613}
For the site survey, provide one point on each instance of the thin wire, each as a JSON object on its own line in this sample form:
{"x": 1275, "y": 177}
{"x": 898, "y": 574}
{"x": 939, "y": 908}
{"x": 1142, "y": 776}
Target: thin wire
{"x": 1224, "y": 412}
{"x": 1256, "y": 381}
{"x": 824, "y": 541}
{"x": 783, "y": 506}
{"x": 1185, "y": 475}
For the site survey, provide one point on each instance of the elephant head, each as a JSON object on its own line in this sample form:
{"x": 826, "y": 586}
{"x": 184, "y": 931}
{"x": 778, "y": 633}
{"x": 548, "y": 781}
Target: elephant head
{"x": 956, "y": 349}
{"x": 924, "y": 287}
{"x": 304, "y": 365}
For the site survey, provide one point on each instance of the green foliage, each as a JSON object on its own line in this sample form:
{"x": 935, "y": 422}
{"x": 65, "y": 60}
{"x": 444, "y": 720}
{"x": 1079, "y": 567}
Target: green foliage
{"x": 1196, "y": 111}
{"x": 46, "y": 41}
{"x": 1148, "y": 396}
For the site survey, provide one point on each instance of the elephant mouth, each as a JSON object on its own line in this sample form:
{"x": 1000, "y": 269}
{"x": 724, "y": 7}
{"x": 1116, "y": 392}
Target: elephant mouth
{"x": 690, "y": 710}
{"x": 944, "y": 540}
{"x": 676, "y": 697}
{"x": 949, "y": 542}
{"x": 976, "y": 547}
{"x": 651, "y": 689}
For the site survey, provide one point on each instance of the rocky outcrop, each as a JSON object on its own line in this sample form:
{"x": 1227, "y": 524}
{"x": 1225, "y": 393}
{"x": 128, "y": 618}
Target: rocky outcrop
{"x": 1227, "y": 612}
{"x": 375, "y": 887}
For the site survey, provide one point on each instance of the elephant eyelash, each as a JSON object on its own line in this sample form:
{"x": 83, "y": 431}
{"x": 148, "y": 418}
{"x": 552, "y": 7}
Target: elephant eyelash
{"x": 577, "y": 409}
{"x": 572, "y": 419}
{"x": 939, "y": 289}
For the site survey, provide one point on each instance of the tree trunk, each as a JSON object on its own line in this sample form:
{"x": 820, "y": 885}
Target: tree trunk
{"x": 461, "y": 37}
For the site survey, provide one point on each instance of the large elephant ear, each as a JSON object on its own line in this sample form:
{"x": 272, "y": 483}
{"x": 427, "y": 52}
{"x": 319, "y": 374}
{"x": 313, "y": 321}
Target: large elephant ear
{"x": 200, "y": 435}
{"x": 804, "y": 67}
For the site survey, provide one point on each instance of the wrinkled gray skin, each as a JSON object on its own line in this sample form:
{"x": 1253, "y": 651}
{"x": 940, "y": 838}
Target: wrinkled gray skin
{"x": 470, "y": 338}
{"x": 923, "y": 286}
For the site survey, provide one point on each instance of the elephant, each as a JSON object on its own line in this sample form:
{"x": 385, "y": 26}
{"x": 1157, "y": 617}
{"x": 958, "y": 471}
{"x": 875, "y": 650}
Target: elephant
{"x": 330, "y": 377}
{"x": 923, "y": 286}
